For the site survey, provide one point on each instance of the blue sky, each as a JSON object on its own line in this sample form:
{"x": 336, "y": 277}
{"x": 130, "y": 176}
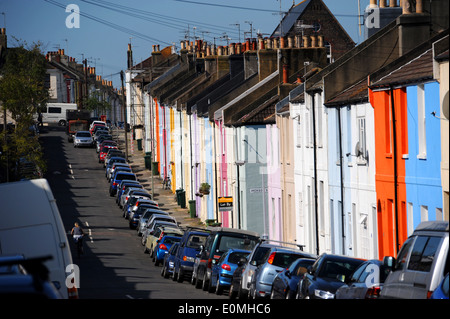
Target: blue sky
{"x": 105, "y": 30}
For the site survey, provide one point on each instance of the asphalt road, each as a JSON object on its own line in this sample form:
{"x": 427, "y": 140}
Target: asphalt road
{"x": 113, "y": 265}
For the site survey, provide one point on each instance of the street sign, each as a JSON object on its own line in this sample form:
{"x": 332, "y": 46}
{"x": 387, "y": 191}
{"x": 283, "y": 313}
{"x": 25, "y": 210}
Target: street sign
{"x": 225, "y": 204}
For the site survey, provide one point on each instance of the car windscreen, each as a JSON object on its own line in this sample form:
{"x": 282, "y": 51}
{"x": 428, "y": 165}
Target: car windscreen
{"x": 171, "y": 240}
{"x": 125, "y": 176}
{"x": 236, "y": 256}
{"x": 83, "y": 134}
{"x": 282, "y": 259}
{"x": 195, "y": 241}
{"x": 227, "y": 242}
{"x": 333, "y": 269}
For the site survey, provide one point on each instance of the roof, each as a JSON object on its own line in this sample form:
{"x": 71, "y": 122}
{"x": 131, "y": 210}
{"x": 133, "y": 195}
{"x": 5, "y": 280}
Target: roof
{"x": 290, "y": 18}
{"x": 354, "y": 94}
{"x": 416, "y": 70}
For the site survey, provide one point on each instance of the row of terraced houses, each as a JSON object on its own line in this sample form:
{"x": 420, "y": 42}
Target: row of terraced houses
{"x": 304, "y": 136}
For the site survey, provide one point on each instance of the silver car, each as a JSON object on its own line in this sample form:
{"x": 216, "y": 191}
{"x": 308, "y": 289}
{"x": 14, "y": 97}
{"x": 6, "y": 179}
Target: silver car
{"x": 83, "y": 138}
{"x": 276, "y": 258}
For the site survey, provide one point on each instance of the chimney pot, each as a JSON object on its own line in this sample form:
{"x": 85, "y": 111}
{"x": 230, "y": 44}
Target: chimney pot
{"x": 392, "y": 3}
{"x": 313, "y": 41}
{"x": 382, "y": 3}
{"x": 290, "y": 42}
{"x": 406, "y": 7}
{"x": 305, "y": 41}
{"x": 373, "y": 4}
{"x": 419, "y": 6}
{"x": 129, "y": 46}
{"x": 321, "y": 43}
{"x": 261, "y": 43}
{"x": 282, "y": 43}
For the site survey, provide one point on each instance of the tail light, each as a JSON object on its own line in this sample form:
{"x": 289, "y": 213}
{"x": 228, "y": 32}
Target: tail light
{"x": 163, "y": 247}
{"x": 271, "y": 258}
{"x": 209, "y": 264}
{"x": 373, "y": 293}
{"x": 226, "y": 267}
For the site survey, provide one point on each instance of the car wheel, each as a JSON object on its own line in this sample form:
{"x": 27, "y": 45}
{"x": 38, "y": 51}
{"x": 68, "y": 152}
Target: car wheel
{"x": 205, "y": 283}
{"x": 219, "y": 289}
{"x": 198, "y": 282}
{"x": 146, "y": 250}
{"x": 180, "y": 276}
{"x": 232, "y": 293}
{"x": 272, "y": 294}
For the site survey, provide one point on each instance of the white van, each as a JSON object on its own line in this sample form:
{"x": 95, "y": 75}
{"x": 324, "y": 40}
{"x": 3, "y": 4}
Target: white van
{"x": 31, "y": 226}
{"x": 56, "y": 113}
{"x": 421, "y": 264}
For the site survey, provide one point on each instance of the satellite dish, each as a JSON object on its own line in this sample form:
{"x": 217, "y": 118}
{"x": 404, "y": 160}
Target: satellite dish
{"x": 445, "y": 110}
{"x": 358, "y": 151}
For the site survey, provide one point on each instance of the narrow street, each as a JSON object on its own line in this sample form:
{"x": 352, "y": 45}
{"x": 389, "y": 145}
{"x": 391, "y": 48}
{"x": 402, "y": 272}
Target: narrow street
{"x": 114, "y": 265}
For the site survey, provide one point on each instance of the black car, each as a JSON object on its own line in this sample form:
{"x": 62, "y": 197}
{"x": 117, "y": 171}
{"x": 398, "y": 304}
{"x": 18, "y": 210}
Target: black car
{"x": 218, "y": 242}
{"x": 235, "y": 288}
{"x": 326, "y": 276}
{"x": 286, "y": 282}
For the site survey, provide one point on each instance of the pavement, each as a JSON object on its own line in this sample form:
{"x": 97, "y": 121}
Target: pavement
{"x": 166, "y": 198}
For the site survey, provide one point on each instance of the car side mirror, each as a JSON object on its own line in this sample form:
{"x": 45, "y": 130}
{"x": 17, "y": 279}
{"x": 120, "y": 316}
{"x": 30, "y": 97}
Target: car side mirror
{"x": 389, "y": 261}
{"x": 288, "y": 273}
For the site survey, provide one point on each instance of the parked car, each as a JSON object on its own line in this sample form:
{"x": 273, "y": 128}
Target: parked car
{"x": 115, "y": 181}
{"x": 242, "y": 282}
{"x": 22, "y": 278}
{"x": 114, "y": 166}
{"x": 113, "y": 152}
{"x": 366, "y": 282}
{"x": 149, "y": 229}
{"x": 275, "y": 260}
{"x": 168, "y": 262}
{"x": 326, "y": 275}
{"x": 236, "y": 280}
{"x": 132, "y": 195}
{"x": 161, "y": 229}
{"x": 162, "y": 247}
{"x": 421, "y": 264}
{"x": 193, "y": 239}
{"x": 123, "y": 185}
{"x": 82, "y": 138}
{"x": 441, "y": 291}
{"x": 122, "y": 168}
{"x": 145, "y": 213}
{"x": 222, "y": 271}
{"x": 218, "y": 242}
{"x": 137, "y": 199}
{"x": 286, "y": 283}
{"x": 100, "y": 139}
{"x": 112, "y": 161}
{"x": 103, "y": 150}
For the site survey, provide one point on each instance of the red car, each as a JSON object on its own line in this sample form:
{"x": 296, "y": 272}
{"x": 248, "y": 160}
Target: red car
{"x": 103, "y": 151}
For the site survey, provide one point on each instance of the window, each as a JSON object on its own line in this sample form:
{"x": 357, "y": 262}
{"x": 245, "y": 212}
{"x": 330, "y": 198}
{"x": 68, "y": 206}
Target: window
{"x": 423, "y": 252}
{"x": 362, "y": 138}
{"x": 54, "y": 110}
{"x": 403, "y": 254}
{"x": 421, "y": 122}
{"x": 423, "y": 213}
{"x": 299, "y": 132}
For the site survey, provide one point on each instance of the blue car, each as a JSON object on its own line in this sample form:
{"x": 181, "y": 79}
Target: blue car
{"x": 441, "y": 291}
{"x": 222, "y": 271}
{"x": 162, "y": 248}
{"x": 168, "y": 262}
{"x": 189, "y": 247}
{"x": 285, "y": 284}
{"x": 117, "y": 178}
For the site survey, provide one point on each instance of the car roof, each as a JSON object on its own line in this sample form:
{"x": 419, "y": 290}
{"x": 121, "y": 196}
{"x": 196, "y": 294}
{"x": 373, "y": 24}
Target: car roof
{"x": 233, "y": 230}
{"x": 83, "y": 132}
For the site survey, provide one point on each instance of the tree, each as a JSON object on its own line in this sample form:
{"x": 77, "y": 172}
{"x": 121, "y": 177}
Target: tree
{"x": 22, "y": 93}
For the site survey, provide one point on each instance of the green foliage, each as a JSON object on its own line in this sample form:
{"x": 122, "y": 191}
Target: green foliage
{"x": 22, "y": 92}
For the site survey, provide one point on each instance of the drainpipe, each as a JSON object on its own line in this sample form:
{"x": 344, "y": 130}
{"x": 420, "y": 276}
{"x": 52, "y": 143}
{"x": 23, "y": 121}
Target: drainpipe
{"x": 341, "y": 163}
{"x": 394, "y": 137}
{"x": 215, "y": 173}
{"x": 190, "y": 148}
{"x": 315, "y": 173}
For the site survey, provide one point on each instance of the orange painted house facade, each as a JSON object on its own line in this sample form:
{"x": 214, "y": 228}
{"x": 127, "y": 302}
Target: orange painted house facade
{"x": 391, "y": 143}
